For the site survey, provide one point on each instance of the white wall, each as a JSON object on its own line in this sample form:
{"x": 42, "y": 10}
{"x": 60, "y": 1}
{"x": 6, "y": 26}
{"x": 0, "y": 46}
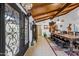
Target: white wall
{"x": 42, "y": 27}
{"x": 30, "y": 30}
{"x": 72, "y": 17}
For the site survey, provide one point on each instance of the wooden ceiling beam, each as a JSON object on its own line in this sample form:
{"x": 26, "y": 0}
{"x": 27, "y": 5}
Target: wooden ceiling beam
{"x": 68, "y": 11}
{"x": 43, "y": 19}
{"x": 46, "y": 12}
{"x": 46, "y": 9}
{"x": 41, "y": 5}
{"x": 69, "y": 8}
{"x": 46, "y": 15}
{"x": 61, "y": 9}
{"x": 56, "y": 13}
{"x": 73, "y": 4}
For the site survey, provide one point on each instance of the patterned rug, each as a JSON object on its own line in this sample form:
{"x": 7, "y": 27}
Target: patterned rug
{"x": 73, "y": 53}
{"x": 58, "y": 48}
{"x": 69, "y": 53}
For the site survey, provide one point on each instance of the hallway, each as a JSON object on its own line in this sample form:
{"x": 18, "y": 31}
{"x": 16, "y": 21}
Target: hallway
{"x": 20, "y": 25}
{"x": 42, "y": 48}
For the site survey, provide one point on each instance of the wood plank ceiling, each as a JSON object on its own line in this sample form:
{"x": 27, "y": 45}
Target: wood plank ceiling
{"x": 44, "y": 11}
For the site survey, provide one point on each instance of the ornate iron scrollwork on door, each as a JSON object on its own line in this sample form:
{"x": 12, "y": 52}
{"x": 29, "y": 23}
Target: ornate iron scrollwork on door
{"x": 11, "y": 31}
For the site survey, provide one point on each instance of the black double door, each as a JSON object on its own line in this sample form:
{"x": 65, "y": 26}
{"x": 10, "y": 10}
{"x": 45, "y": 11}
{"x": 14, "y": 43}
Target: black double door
{"x": 12, "y": 32}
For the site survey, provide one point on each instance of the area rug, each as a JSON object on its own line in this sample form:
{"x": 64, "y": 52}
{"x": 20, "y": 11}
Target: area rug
{"x": 74, "y": 53}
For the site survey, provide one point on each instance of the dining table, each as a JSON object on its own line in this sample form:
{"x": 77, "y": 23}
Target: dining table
{"x": 69, "y": 37}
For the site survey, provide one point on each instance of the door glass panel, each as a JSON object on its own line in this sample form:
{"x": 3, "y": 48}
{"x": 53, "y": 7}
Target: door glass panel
{"x": 11, "y": 31}
{"x": 26, "y": 31}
